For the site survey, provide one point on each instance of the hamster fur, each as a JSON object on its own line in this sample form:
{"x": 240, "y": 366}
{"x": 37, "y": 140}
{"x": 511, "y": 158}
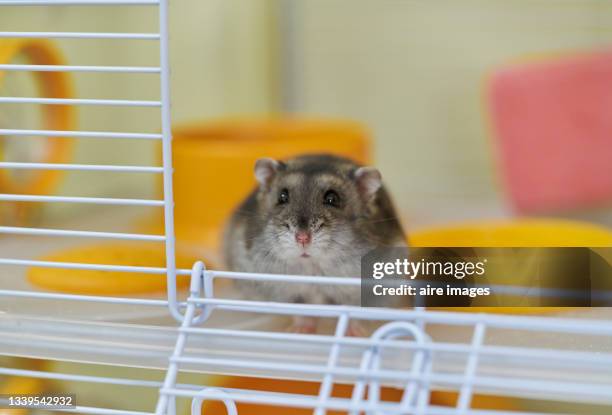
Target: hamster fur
{"x": 310, "y": 215}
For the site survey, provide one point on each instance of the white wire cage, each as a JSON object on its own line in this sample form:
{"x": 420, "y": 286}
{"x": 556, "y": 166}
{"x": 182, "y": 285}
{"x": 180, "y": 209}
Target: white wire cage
{"x": 415, "y": 351}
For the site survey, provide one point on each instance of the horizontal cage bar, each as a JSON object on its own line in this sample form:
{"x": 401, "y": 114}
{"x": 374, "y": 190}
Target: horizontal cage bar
{"x": 593, "y": 327}
{"x": 80, "y": 35}
{"x": 71, "y": 199}
{"x": 80, "y": 68}
{"x": 102, "y": 411}
{"x": 308, "y": 279}
{"x": 311, "y": 369}
{"x": 88, "y": 267}
{"x": 595, "y": 358}
{"x": 80, "y": 167}
{"x": 85, "y": 234}
{"x": 79, "y": 2}
{"x": 332, "y": 403}
{"x": 79, "y": 101}
{"x": 81, "y": 134}
{"x": 91, "y": 379}
{"x": 37, "y": 295}
{"x": 456, "y": 380}
{"x": 79, "y": 378}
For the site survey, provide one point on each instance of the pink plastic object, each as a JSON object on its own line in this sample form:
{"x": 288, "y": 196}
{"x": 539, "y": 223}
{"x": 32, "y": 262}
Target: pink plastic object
{"x": 553, "y": 122}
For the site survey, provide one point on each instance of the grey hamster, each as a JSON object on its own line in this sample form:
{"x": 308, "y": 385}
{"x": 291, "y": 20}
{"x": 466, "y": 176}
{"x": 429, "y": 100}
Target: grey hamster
{"x": 310, "y": 215}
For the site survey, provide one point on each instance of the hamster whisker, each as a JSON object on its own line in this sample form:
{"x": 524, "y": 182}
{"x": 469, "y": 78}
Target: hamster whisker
{"x": 364, "y": 220}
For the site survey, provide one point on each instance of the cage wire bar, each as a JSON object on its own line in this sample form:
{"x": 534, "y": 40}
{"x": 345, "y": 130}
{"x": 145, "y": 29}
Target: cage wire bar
{"x": 163, "y": 70}
{"x": 401, "y": 331}
{"x": 369, "y": 376}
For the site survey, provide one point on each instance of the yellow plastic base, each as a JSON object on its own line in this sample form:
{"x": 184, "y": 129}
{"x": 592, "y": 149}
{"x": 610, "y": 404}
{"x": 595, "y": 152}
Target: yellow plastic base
{"x": 514, "y": 233}
{"x": 104, "y": 282}
{"x": 546, "y": 233}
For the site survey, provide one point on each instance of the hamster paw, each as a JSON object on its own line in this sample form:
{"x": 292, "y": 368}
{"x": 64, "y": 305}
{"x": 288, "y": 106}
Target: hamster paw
{"x": 303, "y": 325}
{"x": 356, "y": 330}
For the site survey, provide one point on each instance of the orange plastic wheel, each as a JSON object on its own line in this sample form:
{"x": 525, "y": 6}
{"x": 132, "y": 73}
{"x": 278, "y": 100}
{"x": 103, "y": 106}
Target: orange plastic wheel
{"x": 49, "y": 117}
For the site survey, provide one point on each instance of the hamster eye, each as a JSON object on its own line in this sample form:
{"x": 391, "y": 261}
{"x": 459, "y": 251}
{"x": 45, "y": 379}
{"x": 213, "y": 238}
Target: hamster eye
{"x": 283, "y": 197}
{"x": 331, "y": 198}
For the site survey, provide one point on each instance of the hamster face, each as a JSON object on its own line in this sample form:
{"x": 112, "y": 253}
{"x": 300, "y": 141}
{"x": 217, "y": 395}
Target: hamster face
{"x": 310, "y": 207}
{"x": 310, "y": 215}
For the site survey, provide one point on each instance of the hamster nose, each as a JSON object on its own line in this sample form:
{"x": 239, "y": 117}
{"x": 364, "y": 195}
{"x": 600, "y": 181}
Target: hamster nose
{"x": 303, "y": 237}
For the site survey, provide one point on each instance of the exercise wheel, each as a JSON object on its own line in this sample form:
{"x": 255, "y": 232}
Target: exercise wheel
{"x": 19, "y": 122}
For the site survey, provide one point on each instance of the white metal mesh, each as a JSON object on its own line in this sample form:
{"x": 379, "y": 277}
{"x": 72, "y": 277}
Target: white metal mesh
{"x": 166, "y": 137}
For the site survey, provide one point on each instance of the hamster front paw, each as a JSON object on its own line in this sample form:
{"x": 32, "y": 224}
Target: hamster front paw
{"x": 355, "y": 329}
{"x": 303, "y": 325}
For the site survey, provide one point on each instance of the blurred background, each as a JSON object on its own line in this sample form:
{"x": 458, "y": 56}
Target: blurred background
{"x": 415, "y": 73}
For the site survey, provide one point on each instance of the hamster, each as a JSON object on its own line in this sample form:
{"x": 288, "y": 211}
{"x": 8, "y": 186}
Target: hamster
{"x": 310, "y": 215}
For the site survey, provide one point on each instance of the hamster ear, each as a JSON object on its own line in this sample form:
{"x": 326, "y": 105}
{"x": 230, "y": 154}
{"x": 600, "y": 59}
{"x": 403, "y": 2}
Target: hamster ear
{"x": 265, "y": 170}
{"x": 368, "y": 181}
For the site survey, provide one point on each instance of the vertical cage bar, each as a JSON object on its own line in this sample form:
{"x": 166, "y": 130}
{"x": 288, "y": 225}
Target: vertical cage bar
{"x": 466, "y": 393}
{"x": 166, "y": 404}
{"x": 328, "y": 381}
{"x": 166, "y": 120}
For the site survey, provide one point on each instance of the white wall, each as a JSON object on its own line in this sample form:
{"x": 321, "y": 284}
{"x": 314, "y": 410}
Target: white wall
{"x": 414, "y": 71}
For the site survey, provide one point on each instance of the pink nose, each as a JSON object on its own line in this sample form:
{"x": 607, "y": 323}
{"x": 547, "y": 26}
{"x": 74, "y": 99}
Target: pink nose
{"x": 302, "y": 237}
